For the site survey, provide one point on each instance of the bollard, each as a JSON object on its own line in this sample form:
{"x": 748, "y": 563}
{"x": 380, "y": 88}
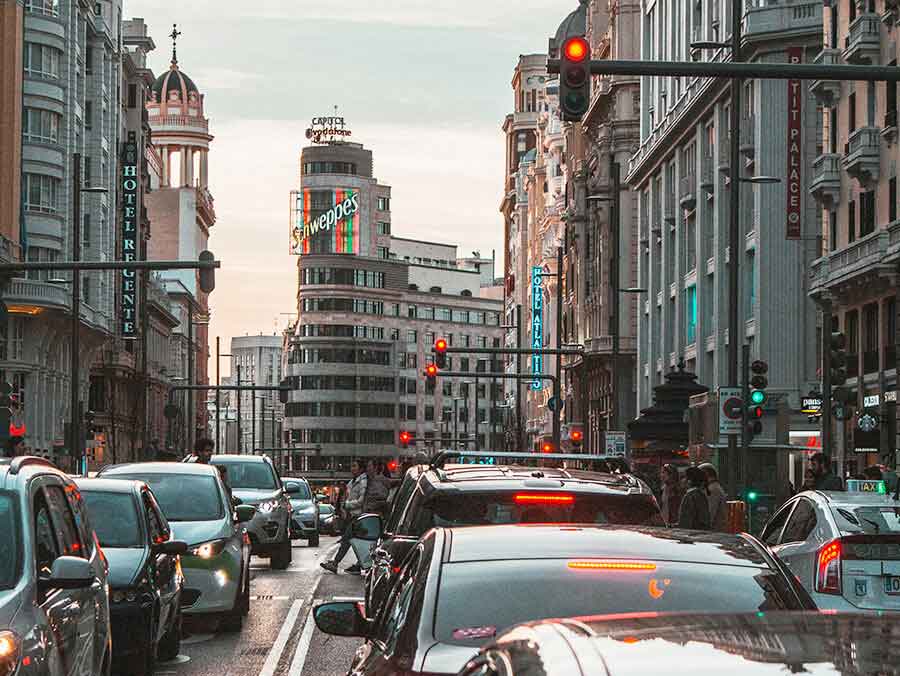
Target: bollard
{"x": 737, "y": 516}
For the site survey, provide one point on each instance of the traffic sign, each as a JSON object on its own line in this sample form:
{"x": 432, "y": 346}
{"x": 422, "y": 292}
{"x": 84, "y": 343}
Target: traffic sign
{"x": 555, "y": 404}
{"x": 616, "y": 447}
{"x": 730, "y": 410}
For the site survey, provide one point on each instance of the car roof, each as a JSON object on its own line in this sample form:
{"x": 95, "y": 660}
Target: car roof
{"x": 479, "y": 478}
{"x": 844, "y": 499}
{"x": 229, "y": 457}
{"x": 108, "y": 485}
{"x": 158, "y": 468}
{"x": 294, "y": 478}
{"x": 26, "y": 466}
{"x": 548, "y": 541}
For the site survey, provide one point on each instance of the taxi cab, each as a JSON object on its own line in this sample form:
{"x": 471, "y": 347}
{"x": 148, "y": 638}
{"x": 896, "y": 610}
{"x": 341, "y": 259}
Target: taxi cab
{"x": 844, "y": 547}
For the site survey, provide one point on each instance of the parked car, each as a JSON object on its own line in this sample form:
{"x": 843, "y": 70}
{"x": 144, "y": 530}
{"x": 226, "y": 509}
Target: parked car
{"x": 305, "y": 523}
{"x": 145, "y": 577}
{"x": 327, "y": 520}
{"x": 461, "y": 587}
{"x": 217, "y": 565}
{"x": 54, "y": 605}
{"x": 708, "y": 644}
{"x": 254, "y": 481}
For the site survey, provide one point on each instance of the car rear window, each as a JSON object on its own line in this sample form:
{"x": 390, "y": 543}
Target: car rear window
{"x": 115, "y": 519}
{"x": 481, "y": 598}
{"x": 183, "y": 497}
{"x": 523, "y": 506}
{"x": 256, "y": 476}
{"x": 872, "y": 520}
{"x": 11, "y": 543}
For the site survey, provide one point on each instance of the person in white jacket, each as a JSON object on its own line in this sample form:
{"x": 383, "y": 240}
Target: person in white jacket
{"x": 353, "y": 506}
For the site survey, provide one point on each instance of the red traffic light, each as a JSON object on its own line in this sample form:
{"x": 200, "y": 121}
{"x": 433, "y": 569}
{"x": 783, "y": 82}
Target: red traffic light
{"x": 440, "y": 345}
{"x": 392, "y": 465}
{"x": 431, "y": 370}
{"x": 405, "y": 437}
{"x": 547, "y": 447}
{"x": 576, "y": 49}
{"x": 756, "y": 411}
{"x": 576, "y": 435}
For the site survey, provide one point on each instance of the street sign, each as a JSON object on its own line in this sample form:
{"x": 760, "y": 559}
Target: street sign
{"x": 839, "y": 412}
{"x": 616, "y": 446}
{"x": 811, "y": 405}
{"x": 555, "y": 404}
{"x": 871, "y": 400}
{"x": 730, "y": 410}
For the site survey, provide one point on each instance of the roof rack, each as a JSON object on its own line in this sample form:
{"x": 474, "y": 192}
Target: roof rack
{"x": 18, "y": 463}
{"x": 441, "y": 458}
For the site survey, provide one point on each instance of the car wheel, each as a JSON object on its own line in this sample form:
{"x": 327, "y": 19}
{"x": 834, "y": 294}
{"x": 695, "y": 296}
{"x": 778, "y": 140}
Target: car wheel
{"x": 170, "y": 644}
{"x": 314, "y": 539}
{"x": 281, "y": 556}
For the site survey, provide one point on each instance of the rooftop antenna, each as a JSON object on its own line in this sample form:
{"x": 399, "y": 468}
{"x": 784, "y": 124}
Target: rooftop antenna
{"x": 174, "y": 35}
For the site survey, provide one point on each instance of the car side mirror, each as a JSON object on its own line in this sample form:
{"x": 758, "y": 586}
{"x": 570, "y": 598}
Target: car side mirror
{"x": 172, "y": 547}
{"x": 245, "y": 513}
{"x": 367, "y": 527}
{"x": 342, "y": 618}
{"x": 71, "y": 572}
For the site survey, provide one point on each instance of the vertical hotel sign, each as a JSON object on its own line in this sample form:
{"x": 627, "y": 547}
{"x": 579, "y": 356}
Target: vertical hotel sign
{"x": 794, "y": 150}
{"x": 537, "y": 324}
{"x": 128, "y": 252}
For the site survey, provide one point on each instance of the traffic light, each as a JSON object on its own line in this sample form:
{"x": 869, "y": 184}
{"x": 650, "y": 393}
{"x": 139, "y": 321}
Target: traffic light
{"x": 758, "y": 397}
{"x": 89, "y": 429}
{"x": 405, "y": 438}
{"x": 392, "y": 465}
{"x": 752, "y": 495}
{"x": 284, "y": 388}
{"x": 574, "y": 79}
{"x": 207, "y": 275}
{"x": 5, "y": 410}
{"x": 837, "y": 352}
{"x": 431, "y": 372}
{"x": 547, "y": 445}
{"x": 440, "y": 353}
{"x": 576, "y": 435}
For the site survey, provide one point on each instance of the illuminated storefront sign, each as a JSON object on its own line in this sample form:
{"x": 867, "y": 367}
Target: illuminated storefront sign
{"x": 128, "y": 252}
{"x": 325, "y": 221}
{"x": 327, "y": 129}
{"x": 537, "y": 324}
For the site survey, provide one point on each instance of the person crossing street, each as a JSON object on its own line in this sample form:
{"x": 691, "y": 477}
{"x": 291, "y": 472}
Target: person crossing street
{"x": 353, "y": 506}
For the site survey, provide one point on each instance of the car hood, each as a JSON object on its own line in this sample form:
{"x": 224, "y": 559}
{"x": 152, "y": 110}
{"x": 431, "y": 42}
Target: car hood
{"x": 444, "y": 658}
{"x": 124, "y": 564}
{"x": 253, "y": 497}
{"x": 195, "y": 532}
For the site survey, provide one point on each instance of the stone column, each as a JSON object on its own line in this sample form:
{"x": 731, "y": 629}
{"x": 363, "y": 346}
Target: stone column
{"x": 189, "y": 153}
{"x": 164, "y": 161}
{"x": 204, "y": 168}
{"x": 184, "y": 166}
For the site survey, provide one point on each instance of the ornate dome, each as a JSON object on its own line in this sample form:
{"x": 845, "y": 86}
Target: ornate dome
{"x": 574, "y": 24}
{"x": 174, "y": 85}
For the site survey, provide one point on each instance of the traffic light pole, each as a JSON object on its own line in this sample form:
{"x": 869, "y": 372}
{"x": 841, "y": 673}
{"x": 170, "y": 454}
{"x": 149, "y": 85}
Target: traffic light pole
{"x": 556, "y": 411}
{"x": 520, "y": 437}
{"x": 78, "y": 446}
{"x": 745, "y": 420}
{"x": 826, "y": 378}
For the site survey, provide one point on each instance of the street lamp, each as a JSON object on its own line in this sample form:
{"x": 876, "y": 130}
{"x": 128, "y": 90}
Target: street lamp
{"x": 759, "y": 180}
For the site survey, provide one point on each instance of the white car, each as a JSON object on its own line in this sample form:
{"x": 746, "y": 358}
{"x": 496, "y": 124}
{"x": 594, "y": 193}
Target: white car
{"x": 844, "y": 547}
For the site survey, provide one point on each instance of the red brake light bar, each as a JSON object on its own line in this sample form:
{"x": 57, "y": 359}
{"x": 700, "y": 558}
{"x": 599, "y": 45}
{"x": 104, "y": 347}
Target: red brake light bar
{"x": 611, "y": 565}
{"x": 545, "y": 498}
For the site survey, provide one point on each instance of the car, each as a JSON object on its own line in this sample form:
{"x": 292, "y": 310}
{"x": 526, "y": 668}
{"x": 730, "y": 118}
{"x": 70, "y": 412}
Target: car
{"x": 709, "y": 644}
{"x": 844, "y": 546}
{"x": 254, "y": 481}
{"x": 460, "y": 587}
{"x": 54, "y": 602}
{"x": 474, "y": 494}
{"x": 305, "y": 514}
{"x": 194, "y": 501}
{"x": 145, "y": 577}
{"x": 327, "y": 519}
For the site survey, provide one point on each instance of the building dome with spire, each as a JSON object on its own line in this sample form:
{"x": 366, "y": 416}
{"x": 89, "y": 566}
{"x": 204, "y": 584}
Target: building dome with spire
{"x": 173, "y": 85}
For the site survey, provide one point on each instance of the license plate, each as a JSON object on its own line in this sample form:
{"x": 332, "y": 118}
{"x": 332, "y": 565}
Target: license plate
{"x": 892, "y": 584}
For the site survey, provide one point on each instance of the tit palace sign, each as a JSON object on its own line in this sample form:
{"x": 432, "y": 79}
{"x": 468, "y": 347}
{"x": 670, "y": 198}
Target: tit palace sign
{"x": 327, "y": 129}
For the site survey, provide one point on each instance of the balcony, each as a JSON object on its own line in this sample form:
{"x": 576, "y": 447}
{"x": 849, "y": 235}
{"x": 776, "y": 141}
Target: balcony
{"x": 827, "y": 91}
{"x": 860, "y": 263}
{"x": 863, "y": 42}
{"x": 862, "y": 154}
{"x": 826, "y": 179}
{"x": 748, "y": 136}
{"x": 889, "y": 131}
{"x": 764, "y": 18}
{"x": 688, "y": 194}
{"x": 33, "y": 297}
{"x": 603, "y": 345}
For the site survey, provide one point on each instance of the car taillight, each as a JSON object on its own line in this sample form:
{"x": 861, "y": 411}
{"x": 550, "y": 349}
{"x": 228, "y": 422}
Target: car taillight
{"x": 608, "y": 564}
{"x": 544, "y": 498}
{"x": 828, "y": 568}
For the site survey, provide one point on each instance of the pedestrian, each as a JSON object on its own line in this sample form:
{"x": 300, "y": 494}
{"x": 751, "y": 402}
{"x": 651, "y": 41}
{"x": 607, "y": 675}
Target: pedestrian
{"x": 821, "y": 469}
{"x": 353, "y": 505}
{"x": 377, "y": 488}
{"x": 203, "y": 450}
{"x": 671, "y": 494}
{"x": 694, "y": 512}
{"x": 809, "y": 480}
{"x": 14, "y": 447}
{"x": 718, "y": 503}
{"x": 873, "y": 473}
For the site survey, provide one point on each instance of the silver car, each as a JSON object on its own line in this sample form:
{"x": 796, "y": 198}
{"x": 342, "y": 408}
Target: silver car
{"x": 254, "y": 481}
{"x": 844, "y": 547}
{"x": 195, "y": 502}
{"x": 54, "y": 596}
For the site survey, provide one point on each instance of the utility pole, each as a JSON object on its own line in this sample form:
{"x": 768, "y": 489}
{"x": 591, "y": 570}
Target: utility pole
{"x": 826, "y": 378}
{"x": 557, "y": 391}
{"x": 219, "y": 443}
{"x": 240, "y": 396}
{"x": 190, "y": 379}
{"x": 615, "y": 306}
{"x": 253, "y": 420}
{"x": 78, "y": 447}
{"x": 520, "y": 437}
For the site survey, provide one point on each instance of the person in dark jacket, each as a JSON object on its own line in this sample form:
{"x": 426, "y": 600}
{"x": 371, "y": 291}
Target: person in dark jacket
{"x": 694, "y": 513}
{"x": 671, "y": 493}
{"x": 821, "y": 468}
{"x": 14, "y": 447}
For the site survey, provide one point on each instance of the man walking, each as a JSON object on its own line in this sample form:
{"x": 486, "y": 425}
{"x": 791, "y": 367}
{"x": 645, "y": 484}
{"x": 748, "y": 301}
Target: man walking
{"x": 718, "y": 504}
{"x": 203, "y": 450}
{"x": 821, "y": 469}
{"x": 694, "y": 513}
{"x": 353, "y": 505}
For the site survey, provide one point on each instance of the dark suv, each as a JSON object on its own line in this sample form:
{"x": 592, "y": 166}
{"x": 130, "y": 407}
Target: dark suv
{"x": 439, "y": 495}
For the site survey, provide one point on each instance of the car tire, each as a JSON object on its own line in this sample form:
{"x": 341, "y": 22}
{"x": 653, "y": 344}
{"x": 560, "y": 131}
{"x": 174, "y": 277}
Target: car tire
{"x": 170, "y": 643}
{"x": 281, "y": 556}
{"x": 232, "y": 622}
{"x": 314, "y": 539}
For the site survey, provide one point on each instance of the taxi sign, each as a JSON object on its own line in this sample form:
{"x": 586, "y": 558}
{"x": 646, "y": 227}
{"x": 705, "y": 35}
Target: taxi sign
{"x": 862, "y": 486}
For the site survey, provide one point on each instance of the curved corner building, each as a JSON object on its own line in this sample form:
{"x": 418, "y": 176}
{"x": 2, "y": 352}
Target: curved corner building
{"x": 369, "y": 307}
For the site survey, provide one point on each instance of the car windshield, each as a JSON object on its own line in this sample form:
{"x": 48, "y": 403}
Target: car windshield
{"x": 301, "y": 492}
{"x": 514, "y": 591}
{"x": 871, "y": 520}
{"x": 466, "y": 509}
{"x": 115, "y": 519}
{"x": 183, "y": 497}
{"x": 250, "y": 475}
{"x": 326, "y": 510}
{"x": 9, "y": 551}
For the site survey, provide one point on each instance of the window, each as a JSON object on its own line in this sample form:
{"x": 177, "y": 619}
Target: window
{"x": 384, "y": 228}
{"x": 851, "y": 110}
{"x": 45, "y": 7}
{"x": 866, "y": 213}
{"x": 40, "y": 126}
{"x": 46, "y": 547}
{"x": 833, "y": 130}
{"x": 132, "y": 96}
{"x": 384, "y": 203}
{"x": 772, "y": 532}
{"x": 384, "y": 252}
{"x": 801, "y": 523}
{"x": 892, "y": 199}
{"x": 851, "y": 221}
{"x": 411, "y": 336}
{"x": 691, "y": 313}
{"x": 86, "y": 231}
{"x": 41, "y": 61}
{"x": 63, "y": 522}
{"x": 832, "y": 230}
{"x": 890, "y": 115}
{"x": 429, "y": 413}
{"x": 41, "y": 193}
{"x": 329, "y": 168}
{"x": 88, "y": 114}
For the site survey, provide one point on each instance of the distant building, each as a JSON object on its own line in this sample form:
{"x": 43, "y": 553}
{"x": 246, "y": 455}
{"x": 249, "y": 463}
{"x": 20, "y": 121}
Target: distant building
{"x": 257, "y": 361}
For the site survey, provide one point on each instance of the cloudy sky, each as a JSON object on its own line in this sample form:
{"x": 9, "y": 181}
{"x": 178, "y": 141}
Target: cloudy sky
{"x": 424, "y": 83}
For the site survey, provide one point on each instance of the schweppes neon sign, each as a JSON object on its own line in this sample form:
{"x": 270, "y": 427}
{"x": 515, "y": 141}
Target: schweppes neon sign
{"x": 341, "y": 221}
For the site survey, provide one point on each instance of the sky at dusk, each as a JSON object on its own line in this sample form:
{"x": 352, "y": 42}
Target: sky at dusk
{"x": 424, "y": 84}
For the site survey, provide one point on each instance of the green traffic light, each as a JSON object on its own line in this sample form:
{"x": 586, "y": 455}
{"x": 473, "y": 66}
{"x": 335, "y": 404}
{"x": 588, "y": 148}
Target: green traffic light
{"x": 752, "y": 496}
{"x": 758, "y": 397}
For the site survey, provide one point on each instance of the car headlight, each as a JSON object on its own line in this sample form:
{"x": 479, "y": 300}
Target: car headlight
{"x": 10, "y": 649}
{"x": 268, "y": 506}
{"x": 208, "y": 550}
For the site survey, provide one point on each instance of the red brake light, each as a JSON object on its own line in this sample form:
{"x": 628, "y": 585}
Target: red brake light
{"x": 576, "y": 50}
{"x": 828, "y": 568}
{"x": 545, "y": 498}
{"x": 611, "y": 565}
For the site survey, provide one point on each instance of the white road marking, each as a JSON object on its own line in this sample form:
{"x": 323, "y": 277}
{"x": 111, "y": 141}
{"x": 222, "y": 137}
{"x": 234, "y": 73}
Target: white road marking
{"x": 303, "y": 644}
{"x": 270, "y": 598}
{"x": 348, "y": 598}
{"x": 275, "y": 653}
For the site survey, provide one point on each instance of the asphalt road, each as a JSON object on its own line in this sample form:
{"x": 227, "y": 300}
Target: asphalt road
{"x": 279, "y": 637}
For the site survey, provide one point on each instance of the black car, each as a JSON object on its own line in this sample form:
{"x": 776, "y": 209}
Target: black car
{"x": 461, "y": 587}
{"x": 707, "y": 644}
{"x": 144, "y": 574}
{"x": 464, "y": 495}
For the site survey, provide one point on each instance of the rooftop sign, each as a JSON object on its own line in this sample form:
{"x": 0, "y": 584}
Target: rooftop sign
{"x": 327, "y": 129}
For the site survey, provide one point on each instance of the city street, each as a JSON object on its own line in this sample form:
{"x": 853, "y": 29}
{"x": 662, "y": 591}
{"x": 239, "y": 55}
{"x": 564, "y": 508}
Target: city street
{"x": 279, "y": 637}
